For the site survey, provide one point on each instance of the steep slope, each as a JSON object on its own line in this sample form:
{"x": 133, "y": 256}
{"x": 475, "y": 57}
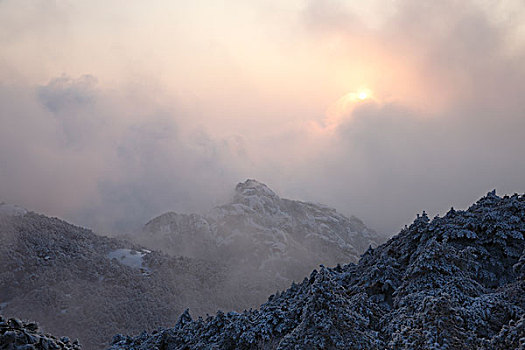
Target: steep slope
{"x": 75, "y": 283}
{"x": 266, "y": 235}
{"x": 451, "y": 283}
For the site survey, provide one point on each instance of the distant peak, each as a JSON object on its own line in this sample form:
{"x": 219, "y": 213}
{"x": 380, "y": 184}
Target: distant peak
{"x": 252, "y": 187}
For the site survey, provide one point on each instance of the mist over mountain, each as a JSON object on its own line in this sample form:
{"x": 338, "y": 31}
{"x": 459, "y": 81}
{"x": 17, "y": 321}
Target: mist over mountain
{"x": 132, "y": 121}
{"x": 74, "y": 282}
{"x": 454, "y": 282}
{"x": 262, "y": 235}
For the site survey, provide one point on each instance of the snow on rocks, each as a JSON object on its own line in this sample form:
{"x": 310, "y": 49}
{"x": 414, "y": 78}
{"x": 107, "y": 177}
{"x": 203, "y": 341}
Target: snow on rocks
{"x": 263, "y": 233}
{"x": 18, "y": 335}
{"x": 454, "y": 282}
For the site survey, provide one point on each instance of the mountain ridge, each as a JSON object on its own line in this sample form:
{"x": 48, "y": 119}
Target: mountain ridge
{"x": 285, "y": 238}
{"x": 75, "y": 282}
{"x": 452, "y": 282}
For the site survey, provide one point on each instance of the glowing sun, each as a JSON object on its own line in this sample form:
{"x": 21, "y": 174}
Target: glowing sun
{"x": 344, "y": 106}
{"x": 357, "y": 96}
{"x": 362, "y": 95}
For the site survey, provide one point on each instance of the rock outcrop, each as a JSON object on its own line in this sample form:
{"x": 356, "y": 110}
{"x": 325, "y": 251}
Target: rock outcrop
{"x": 18, "y": 335}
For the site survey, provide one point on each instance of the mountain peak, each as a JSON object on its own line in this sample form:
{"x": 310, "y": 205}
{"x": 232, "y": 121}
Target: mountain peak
{"x": 252, "y": 187}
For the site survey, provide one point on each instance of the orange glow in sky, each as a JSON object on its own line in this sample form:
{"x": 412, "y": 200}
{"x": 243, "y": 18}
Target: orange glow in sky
{"x": 341, "y": 110}
{"x": 217, "y": 66}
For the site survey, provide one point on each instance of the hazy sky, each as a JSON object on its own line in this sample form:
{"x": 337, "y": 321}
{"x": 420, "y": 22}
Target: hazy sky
{"x": 112, "y": 112}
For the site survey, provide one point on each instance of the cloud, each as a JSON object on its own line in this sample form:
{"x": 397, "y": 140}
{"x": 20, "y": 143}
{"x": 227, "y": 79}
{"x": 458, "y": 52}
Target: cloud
{"x": 69, "y": 149}
{"x": 159, "y": 169}
{"x": 396, "y": 163}
{"x": 64, "y": 92}
{"x": 455, "y": 135}
{"x": 171, "y": 118}
{"x": 73, "y": 103}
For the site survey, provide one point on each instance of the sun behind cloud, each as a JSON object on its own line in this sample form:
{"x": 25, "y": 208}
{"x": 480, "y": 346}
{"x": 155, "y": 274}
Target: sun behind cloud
{"x": 363, "y": 95}
{"x": 342, "y": 108}
{"x": 357, "y": 96}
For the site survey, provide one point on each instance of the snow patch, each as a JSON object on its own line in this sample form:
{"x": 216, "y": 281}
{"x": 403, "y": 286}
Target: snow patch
{"x": 129, "y": 257}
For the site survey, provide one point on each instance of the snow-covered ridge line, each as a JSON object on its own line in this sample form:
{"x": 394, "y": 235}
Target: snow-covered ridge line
{"x": 454, "y": 282}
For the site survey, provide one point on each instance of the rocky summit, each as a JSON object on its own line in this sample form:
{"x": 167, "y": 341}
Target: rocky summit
{"x": 271, "y": 238}
{"x": 454, "y": 282}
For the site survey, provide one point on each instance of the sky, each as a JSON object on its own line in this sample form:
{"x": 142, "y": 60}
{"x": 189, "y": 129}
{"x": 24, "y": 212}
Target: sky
{"x": 112, "y": 112}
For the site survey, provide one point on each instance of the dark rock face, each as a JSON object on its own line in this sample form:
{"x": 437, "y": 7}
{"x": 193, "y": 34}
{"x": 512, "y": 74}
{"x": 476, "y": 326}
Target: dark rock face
{"x": 456, "y": 282}
{"x": 19, "y": 335}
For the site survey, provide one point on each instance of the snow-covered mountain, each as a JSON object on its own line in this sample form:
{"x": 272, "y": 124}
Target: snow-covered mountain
{"x": 259, "y": 231}
{"x": 454, "y": 282}
{"x": 76, "y": 283}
